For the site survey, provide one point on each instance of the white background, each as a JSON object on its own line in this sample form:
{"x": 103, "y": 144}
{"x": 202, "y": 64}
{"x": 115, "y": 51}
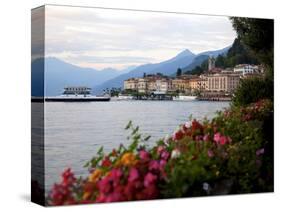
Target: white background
{"x": 15, "y": 104}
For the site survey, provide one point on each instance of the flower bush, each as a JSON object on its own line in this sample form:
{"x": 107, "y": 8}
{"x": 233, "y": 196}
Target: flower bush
{"x": 230, "y": 154}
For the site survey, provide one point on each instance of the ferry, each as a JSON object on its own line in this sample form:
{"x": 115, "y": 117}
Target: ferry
{"x": 184, "y": 98}
{"x": 77, "y": 94}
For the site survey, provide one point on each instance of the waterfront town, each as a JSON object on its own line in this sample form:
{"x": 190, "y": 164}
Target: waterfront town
{"x": 213, "y": 84}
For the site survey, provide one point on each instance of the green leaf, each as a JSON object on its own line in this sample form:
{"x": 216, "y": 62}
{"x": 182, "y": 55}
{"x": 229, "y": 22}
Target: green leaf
{"x": 129, "y": 125}
{"x": 147, "y": 138}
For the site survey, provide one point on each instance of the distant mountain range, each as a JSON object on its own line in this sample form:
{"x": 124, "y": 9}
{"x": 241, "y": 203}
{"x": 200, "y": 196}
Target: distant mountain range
{"x": 185, "y": 60}
{"x": 59, "y": 73}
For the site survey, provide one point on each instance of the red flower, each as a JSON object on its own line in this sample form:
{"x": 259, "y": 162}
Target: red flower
{"x": 196, "y": 126}
{"x": 178, "y": 135}
{"x": 106, "y": 162}
{"x": 68, "y": 177}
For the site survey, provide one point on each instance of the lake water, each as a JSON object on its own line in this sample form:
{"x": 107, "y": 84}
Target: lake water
{"x": 75, "y": 131}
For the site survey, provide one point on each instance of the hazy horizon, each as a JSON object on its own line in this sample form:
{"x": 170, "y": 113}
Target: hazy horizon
{"x": 105, "y": 38}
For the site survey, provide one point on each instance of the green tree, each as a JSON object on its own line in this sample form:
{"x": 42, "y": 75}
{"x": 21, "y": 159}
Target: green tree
{"x": 257, "y": 35}
{"x": 253, "y": 89}
{"x": 144, "y": 75}
{"x": 220, "y": 61}
{"x": 179, "y": 72}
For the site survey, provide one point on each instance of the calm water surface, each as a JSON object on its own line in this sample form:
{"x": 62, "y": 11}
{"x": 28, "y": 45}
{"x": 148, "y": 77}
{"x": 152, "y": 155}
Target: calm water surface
{"x": 75, "y": 131}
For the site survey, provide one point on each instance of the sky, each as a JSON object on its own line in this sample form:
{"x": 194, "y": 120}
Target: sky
{"x": 106, "y": 38}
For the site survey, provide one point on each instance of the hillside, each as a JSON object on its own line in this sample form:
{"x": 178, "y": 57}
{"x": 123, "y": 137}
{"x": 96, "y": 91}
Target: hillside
{"x": 167, "y": 67}
{"x": 59, "y": 74}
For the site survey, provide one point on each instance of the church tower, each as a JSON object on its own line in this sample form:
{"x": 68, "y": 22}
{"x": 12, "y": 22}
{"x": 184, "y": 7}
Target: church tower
{"x": 211, "y": 63}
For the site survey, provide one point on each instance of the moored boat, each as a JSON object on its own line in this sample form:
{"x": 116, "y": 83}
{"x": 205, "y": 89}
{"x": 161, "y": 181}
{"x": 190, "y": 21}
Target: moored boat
{"x": 184, "y": 98}
{"x": 122, "y": 98}
{"x": 77, "y": 94}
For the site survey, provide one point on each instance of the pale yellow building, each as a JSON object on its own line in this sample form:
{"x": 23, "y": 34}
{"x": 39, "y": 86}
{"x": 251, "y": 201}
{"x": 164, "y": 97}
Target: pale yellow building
{"x": 142, "y": 85}
{"x": 195, "y": 83}
{"x": 131, "y": 84}
{"x": 163, "y": 85}
{"x": 223, "y": 82}
{"x": 179, "y": 84}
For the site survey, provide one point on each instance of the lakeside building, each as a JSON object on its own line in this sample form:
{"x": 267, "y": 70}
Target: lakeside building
{"x": 131, "y": 84}
{"x": 223, "y": 82}
{"x": 142, "y": 85}
{"x": 180, "y": 85}
{"x": 245, "y": 69}
{"x": 163, "y": 85}
{"x": 213, "y": 80}
{"x": 198, "y": 84}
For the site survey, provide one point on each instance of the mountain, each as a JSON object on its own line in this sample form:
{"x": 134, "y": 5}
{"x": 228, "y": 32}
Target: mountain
{"x": 167, "y": 67}
{"x": 200, "y": 58}
{"x": 216, "y": 53}
{"x": 59, "y": 74}
{"x": 197, "y": 61}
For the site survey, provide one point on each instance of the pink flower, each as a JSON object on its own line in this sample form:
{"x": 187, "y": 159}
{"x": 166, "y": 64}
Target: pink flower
{"x": 165, "y": 155}
{"x": 210, "y": 153}
{"x": 160, "y": 149}
{"x": 153, "y": 165}
{"x": 217, "y": 137}
{"x": 223, "y": 140}
{"x": 260, "y": 152}
{"x": 104, "y": 185}
{"x": 149, "y": 179}
{"x": 206, "y": 137}
{"x": 220, "y": 139}
{"x": 133, "y": 175}
{"x": 162, "y": 163}
{"x": 115, "y": 173}
{"x": 144, "y": 155}
{"x": 198, "y": 138}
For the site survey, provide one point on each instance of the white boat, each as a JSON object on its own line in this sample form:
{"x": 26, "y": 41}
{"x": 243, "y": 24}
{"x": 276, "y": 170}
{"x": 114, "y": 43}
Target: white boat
{"x": 184, "y": 98}
{"x": 77, "y": 94}
{"x": 122, "y": 97}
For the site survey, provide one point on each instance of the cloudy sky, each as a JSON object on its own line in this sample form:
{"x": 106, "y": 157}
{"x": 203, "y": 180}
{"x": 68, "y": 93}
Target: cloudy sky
{"x": 102, "y": 38}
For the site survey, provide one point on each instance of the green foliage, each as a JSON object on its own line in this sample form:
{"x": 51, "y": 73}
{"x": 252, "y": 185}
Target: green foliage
{"x": 199, "y": 69}
{"x": 235, "y": 168}
{"x": 179, "y": 72}
{"x": 257, "y": 35}
{"x": 237, "y": 54}
{"x": 144, "y": 75}
{"x": 252, "y": 89}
